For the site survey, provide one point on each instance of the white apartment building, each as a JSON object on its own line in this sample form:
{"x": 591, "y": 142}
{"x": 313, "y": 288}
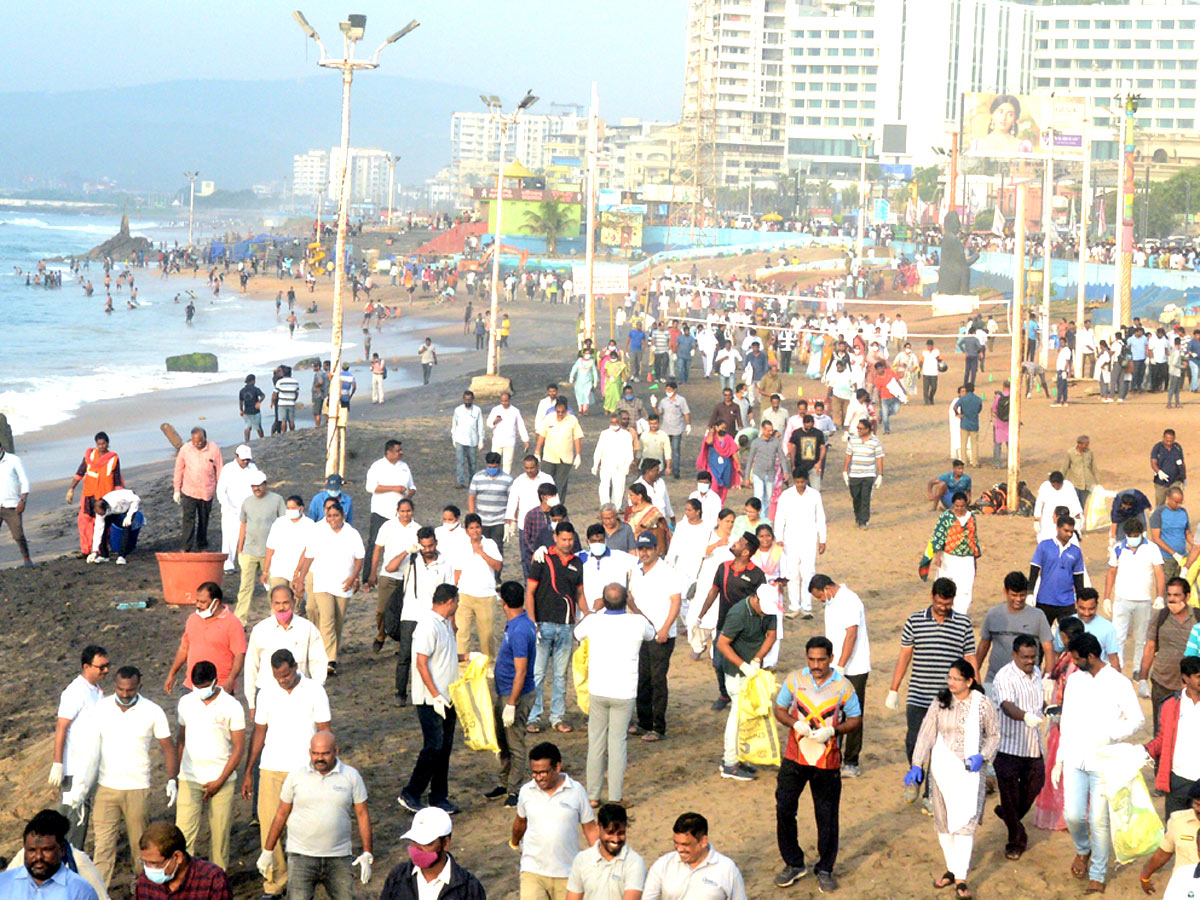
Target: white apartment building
{"x": 475, "y": 137}
{"x": 368, "y": 175}
{"x": 309, "y": 172}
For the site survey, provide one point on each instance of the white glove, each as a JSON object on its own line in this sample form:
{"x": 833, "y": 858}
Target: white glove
{"x": 1047, "y": 689}
{"x": 1159, "y": 603}
{"x": 802, "y": 728}
{"x": 1147, "y": 759}
{"x": 893, "y": 700}
{"x": 575, "y": 463}
{"x": 70, "y": 494}
{"x": 1056, "y": 774}
{"x": 1161, "y": 476}
{"x": 55, "y": 778}
{"x": 365, "y": 861}
{"x": 172, "y": 792}
{"x": 1179, "y": 558}
{"x": 824, "y": 734}
{"x": 595, "y": 470}
{"x": 1143, "y": 687}
{"x": 264, "y": 864}
{"x": 687, "y": 429}
{"x": 177, "y": 497}
{"x": 440, "y": 705}
{"x": 1106, "y": 607}
{"x": 539, "y": 555}
{"x": 846, "y": 478}
{"x": 128, "y": 520}
{"x": 750, "y": 668}
{"x": 510, "y": 530}
{"x": 878, "y": 480}
{"x": 1033, "y": 721}
{"x": 509, "y": 715}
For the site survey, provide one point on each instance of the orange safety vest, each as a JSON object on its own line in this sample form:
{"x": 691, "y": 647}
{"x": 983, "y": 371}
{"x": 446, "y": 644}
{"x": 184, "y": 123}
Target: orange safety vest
{"x": 99, "y": 479}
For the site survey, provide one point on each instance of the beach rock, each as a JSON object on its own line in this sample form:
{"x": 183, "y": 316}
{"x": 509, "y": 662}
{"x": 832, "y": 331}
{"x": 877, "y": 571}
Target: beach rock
{"x": 122, "y": 245}
{"x": 192, "y": 362}
{"x": 306, "y": 363}
{"x": 309, "y": 326}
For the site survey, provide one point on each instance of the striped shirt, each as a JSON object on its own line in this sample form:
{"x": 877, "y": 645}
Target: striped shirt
{"x": 1013, "y": 685}
{"x": 935, "y": 646}
{"x": 491, "y": 496}
{"x": 288, "y": 390}
{"x": 830, "y": 703}
{"x": 863, "y": 455}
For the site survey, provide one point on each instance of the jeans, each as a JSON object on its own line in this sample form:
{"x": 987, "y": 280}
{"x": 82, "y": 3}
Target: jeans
{"x": 683, "y": 366}
{"x": 554, "y": 646}
{"x": 888, "y": 407}
{"x": 608, "y": 720}
{"x": 195, "y": 515}
{"x": 1019, "y": 780}
{"x": 306, "y": 872}
{"x": 1131, "y": 615}
{"x": 971, "y": 370}
{"x": 727, "y": 381}
{"x": 1174, "y": 384}
{"x": 676, "y": 441}
{"x": 662, "y": 366}
{"x": 654, "y": 660}
{"x": 426, "y": 372}
{"x": 763, "y": 488}
{"x": 1060, "y": 387}
{"x": 433, "y": 762}
{"x": 464, "y": 459}
{"x": 860, "y": 494}
{"x": 1086, "y": 811}
{"x": 1139, "y": 375}
{"x": 826, "y": 788}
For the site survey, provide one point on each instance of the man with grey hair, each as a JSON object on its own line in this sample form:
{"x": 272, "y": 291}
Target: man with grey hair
{"x": 197, "y": 467}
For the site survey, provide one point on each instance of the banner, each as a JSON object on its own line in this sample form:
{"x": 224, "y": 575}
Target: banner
{"x": 622, "y": 227}
{"x": 611, "y": 278}
{"x": 1014, "y": 126}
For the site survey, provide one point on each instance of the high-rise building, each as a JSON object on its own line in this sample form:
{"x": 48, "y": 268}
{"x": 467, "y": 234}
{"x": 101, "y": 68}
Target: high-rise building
{"x": 310, "y": 171}
{"x": 368, "y": 176}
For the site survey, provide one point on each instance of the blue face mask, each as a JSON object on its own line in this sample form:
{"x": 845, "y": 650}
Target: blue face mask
{"x": 492, "y": 470}
{"x": 159, "y": 876}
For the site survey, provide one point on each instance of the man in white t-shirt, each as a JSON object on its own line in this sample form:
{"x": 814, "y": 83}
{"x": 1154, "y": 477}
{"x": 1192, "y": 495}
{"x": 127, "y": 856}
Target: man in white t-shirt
{"x": 334, "y": 553}
{"x": 290, "y": 710}
{"x": 283, "y": 630}
{"x": 931, "y": 360}
{"x": 846, "y": 628}
{"x": 654, "y": 589}
{"x": 1135, "y": 575}
{"x": 388, "y": 481}
{"x": 286, "y": 540}
{"x": 423, "y": 571}
{"x": 475, "y": 569}
{"x": 126, "y": 725}
{"x": 507, "y": 427}
{"x": 388, "y": 563}
{"x": 75, "y": 738}
{"x": 210, "y": 743}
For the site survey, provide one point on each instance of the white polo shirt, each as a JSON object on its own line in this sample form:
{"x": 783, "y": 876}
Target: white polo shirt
{"x": 288, "y": 538}
{"x": 322, "y": 805}
{"x": 616, "y": 640}
{"x": 652, "y": 592}
{"x": 125, "y": 739}
{"x": 421, "y": 580}
{"x": 78, "y": 702}
{"x": 597, "y": 878}
{"x": 208, "y": 734}
{"x": 476, "y": 579}
{"x": 600, "y": 571}
{"x": 844, "y": 611}
{"x": 551, "y": 841}
{"x": 390, "y": 474}
{"x": 395, "y": 539}
{"x": 333, "y": 554}
{"x": 291, "y": 718}
{"x": 300, "y": 636}
{"x": 434, "y": 638}
{"x": 715, "y": 878}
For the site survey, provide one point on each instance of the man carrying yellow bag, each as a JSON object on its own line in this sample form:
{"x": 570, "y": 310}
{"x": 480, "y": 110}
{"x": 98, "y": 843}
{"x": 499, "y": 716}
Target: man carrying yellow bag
{"x": 747, "y": 636}
{"x": 473, "y": 701}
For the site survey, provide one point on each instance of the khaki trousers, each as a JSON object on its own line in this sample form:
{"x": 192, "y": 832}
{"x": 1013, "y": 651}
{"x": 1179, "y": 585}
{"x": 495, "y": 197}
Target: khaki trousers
{"x": 969, "y": 441}
{"x": 191, "y": 809}
{"x": 269, "y": 785}
{"x": 542, "y": 887}
{"x": 250, "y": 569}
{"x": 328, "y": 613}
{"x": 481, "y": 610}
{"x": 108, "y": 809}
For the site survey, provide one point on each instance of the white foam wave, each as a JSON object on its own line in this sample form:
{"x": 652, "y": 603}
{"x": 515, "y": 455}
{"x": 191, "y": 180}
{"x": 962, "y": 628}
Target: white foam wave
{"x": 29, "y": 222}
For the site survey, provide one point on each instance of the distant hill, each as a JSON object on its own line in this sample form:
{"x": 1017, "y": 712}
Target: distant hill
{"x": 235, "y": 132}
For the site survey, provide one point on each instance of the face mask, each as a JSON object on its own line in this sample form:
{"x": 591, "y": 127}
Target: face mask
{"x": 293, "y": 514}
{"x": 629, "y": 396}
{"x": 333, "y": 493}
{"x": 492, "y": 470}
{"x": 703, "y": 487}
{"x": 614, "y": 427}
{"x": 1133, "y": 541}
{"x": 422, "y": 859}
{"x": 127, "y": 703}
{"x": 597, "y": 549}
{"x": 208, "y": 613}
{"x": 204, "y": 693}
{"x": 159, "y": 876}
{"x": 552, "y": 501}
{"x": 283, "y": 617}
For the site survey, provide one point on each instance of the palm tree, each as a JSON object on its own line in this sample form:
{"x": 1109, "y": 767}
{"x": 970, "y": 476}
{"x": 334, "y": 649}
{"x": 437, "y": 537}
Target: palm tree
{"x": 551, "y": 220}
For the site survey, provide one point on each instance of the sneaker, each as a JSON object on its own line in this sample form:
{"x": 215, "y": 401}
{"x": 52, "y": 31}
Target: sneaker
{"x": 721, "y": 703}
{"x": 496, "y": 793}
{"x": 448, "y": 807}
{"x": 120, "y": 560}
{"x": 331, "y": 670}
{"x": 100, "y": 559}
{"x": 791, "y": 614}
{"x": 806, "y": 614}
{"x": 510, "y": 802}
{"x": 753, "y": 770}
{"x": 737, "y": 773}
{"x": 826, "y": 883}
{"x": 409, "y": 802}
{"x": 789, "y": 875}
{"x": 91, "y": 557}
{"x": 851, "y": 771}
{"x": 376, "y": 646}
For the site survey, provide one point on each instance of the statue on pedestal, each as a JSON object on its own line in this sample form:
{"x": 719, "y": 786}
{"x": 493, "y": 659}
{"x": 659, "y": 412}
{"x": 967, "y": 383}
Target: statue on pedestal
{"x": 954, "y": 271}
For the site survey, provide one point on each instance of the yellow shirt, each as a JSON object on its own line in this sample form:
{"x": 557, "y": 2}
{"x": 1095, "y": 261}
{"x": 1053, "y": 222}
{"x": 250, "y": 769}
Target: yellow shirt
{"x": 504, "y": 327}
{"x": 1180, "y": 838}
{"x": 559, "y": 438}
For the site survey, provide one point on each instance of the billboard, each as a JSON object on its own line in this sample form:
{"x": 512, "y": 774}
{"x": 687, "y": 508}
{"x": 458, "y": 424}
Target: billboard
{"x": 1015, "y": 126}
{"x": 622, "y": 227}
{"x": 610, "y": 278}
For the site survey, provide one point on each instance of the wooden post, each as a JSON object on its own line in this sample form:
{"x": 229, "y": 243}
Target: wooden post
{"x": 1015, "y": 312}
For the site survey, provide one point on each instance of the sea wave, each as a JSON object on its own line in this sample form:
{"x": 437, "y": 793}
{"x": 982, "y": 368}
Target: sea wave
{"x": 31, "y": 222}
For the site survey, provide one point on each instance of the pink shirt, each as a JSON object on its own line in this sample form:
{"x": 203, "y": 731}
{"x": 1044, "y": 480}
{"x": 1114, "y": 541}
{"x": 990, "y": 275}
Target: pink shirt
{"x": 196, "y": 471}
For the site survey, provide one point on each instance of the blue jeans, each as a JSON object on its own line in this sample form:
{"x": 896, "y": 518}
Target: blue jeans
{"x": 1195, "y": 370}
{"x": 306, "y": 872}
{"x": 889, "y": 407}
{"x": 683, "y": 366}
{"x": 676, "y": 441}
{"x": 727, "y": 381}
{"x": 554, "y": 646}
{"x": 464, "y": 458}
{"x": 762, "y": 489}
{"x": 1088, "y": 828}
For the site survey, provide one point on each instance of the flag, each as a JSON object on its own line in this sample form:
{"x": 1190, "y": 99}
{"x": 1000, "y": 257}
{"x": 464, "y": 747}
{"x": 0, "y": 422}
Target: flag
{"x": 1101, "y": 225}
{"x": 998, "y": 222}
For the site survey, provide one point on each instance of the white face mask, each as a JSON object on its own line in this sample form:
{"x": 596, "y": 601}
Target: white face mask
{"x": 614, "y": 427}
{"x": 703, "y": 487}
{"x": 552, "y": 501}
{"x": 208, "y": 613}
{"x": 205, "y": 692}
{"x": 293, "y": 514}
{"x": 597, "y": 549}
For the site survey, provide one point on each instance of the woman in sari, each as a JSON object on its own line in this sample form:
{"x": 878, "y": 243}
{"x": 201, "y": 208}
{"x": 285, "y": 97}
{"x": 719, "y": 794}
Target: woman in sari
{"x": 583, "y": 377}
{"x": 955, "y": 548}
{"x": 958, "y": 736}
{"x": 769, "y": 558}
{"x": 908, "y": 368}
{"x": 718, "y": 457}
{"x": 614, "y": 379}
{"x": 1048, "y": 808}
{"x": 641, "y": 515}
{"x": 816, "y": 347}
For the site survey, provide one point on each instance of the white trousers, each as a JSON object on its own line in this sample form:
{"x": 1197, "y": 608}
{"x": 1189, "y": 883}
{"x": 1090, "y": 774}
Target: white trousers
{"x": 612, "y": 486}
{"x": 1135, "y": 615}
{"x": 376, "y": 388}
{"x": 230, "y": 526}
{"x": 960, "y": 570}
{"x": 506, "y": 458}
{"x": 801, "y": 567}
{"x": 956, "y": 848}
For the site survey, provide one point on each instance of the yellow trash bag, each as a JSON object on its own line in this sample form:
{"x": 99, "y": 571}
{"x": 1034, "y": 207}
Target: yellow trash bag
{"x": 473, "y": 702}
{"x": 579, "y": 675}
{"x": 1134, "y": 825}
{"x": 758, "y": 742}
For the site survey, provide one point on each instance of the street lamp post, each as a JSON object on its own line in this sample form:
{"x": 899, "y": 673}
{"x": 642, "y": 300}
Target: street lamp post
{"x": 492, "y": 102}
{"x": 391, "y": 161}
{"x": 191, "y": 177}
{"x": 321, "y": 189}
{"x": 352, "y": 32}
{"x": 864, "y": 144}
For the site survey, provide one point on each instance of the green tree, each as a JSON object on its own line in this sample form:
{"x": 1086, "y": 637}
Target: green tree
{"x": 928, "y": 188}
{"x": 551, "y": 220}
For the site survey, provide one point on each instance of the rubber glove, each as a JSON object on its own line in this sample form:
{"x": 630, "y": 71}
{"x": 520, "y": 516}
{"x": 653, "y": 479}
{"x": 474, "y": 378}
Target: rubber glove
{"x": 1159, "y": 603}
{"x": 750, "y": 669}
{"x": 878, "y": 480}
{"x": 440, "y": 705}
{"x": 70, "y": 494}
{"x": 1143, "y": 687}
{"x": 539, "y": 555}
{"x": 893, "y": 700}
{"x": 509, "y": 715}
{"x": 178, "y": 498}
{"x": 846, "y": 478}
{"x": 1179, "y": 558}
{"x": 1056, "y": 774}
{"x": 974, "y": 763}
{"x": 1047, "y": 689}
{"x": 128, "y": 520}
{"x": 687, "y": 429}
{"x": 55, "y": 778}
{"x": 595, "y": 470}
{"x": 802, "y": 728}
{"x": 365, "y": 861}
{"x": 1162, "y": 476}
{"x": 264, "y": 864}
{"x": 914, "y": 777}
{"x": 172, "y": 792}
{"x": 575, "y": 463}
{"x": 1032, "y": 720}
{"x": 824, "y": 734}
{"x": 1106, "y": 607}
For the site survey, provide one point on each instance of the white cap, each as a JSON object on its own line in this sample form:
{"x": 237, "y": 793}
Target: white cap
{"x": 259, "y": 477}
{"x": 428, "y": 825}
{"x": 243, "y": 452}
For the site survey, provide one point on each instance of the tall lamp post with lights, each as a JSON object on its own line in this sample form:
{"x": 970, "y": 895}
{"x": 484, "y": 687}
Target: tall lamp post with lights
{"x": 191, "y": 177}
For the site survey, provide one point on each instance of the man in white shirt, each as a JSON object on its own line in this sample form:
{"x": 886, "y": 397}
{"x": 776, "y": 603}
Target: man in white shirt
{"x": 126, "y": 725}
{"x": 694, "y": 860}
{"x": 611, "y": 461}
{"x": 1085, "y": 348}
{"x": 1054, "y": 492}
{"x": 602, "y": 566}
{"x": 210, "y": 743}
{"x": 1100, "y": 707}
{"x": 846, "y": 628}
{"x": 233, "y": 487}
{"x": 800, "y": 530}
{"x": 435, "y": 659}
{"x": 395, "y": 540}
{"x": 551, "y": 809}
{"x": 523, "y": 496}
{"x": 423, "y": 572}
{"x": 290, "y": 711}
{"x": 117, "y": 507}
{"x": 285, "y": 543}
{"x": 75, "y": 738}
{"x": 334, "y": 553}
{"x": 614, "y": 650}
{"x": 545, "y": 407}
{"x": 610, "y": 868}
{"x": 1135, "y": 576}
{"x": 709, "y": 500}
{"x": 389, "y": 480}
{"x": 654, "y": 591}
{"x": 14, "y": 491}
{"x": 508, "y": 427}
{"x": 283, "y": 630}
{"x": 475, "y": 571}
{"x": 466, "y": 431}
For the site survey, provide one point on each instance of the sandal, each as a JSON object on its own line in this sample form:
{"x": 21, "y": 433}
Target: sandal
{"x": 1079, "y": 867}
{"x": 945, "y": 881}
{"x": 562, "y": 728}
{"x": 962, "y": 891}
{"x": 533, "y": 728}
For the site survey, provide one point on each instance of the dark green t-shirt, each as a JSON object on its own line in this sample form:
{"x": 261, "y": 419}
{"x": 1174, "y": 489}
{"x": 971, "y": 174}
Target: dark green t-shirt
{"x": 746, "y": 631}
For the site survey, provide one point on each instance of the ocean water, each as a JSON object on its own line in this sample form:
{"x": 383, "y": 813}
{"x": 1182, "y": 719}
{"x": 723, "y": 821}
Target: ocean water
{"x": 62, "y": 351}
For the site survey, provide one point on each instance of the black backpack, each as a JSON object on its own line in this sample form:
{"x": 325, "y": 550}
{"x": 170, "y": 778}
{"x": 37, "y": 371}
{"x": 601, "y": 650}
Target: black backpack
{"x": 1002, "y": 407}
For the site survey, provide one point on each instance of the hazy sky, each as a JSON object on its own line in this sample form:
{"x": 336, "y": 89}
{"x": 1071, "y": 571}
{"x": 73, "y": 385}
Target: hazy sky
{"x": 633, "y": 48}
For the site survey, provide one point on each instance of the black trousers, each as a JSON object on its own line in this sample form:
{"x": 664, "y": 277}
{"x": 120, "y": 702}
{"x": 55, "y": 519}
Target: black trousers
{"x": 860, "y": 496}
{"x": 785, "y": 362}
{"x": 929, "y": 388}
{"x": 496, "y": 533}
{"x": 1054, "y": 613}
{"x": 404, "y": 659}
{"x": 561, "y": 473}
{"x": 1019, "y": 779}
{"x": 852, "y": 743}
{"x": 826, "y": 789}
{"x": 195, "y": 523}
{"x": 662, "y": 365}
{"x": 1177, "y": 799}
{"x": 654, "y": 660}
{"x": 433, "y": 762}
{"x": 377, "y": 522}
